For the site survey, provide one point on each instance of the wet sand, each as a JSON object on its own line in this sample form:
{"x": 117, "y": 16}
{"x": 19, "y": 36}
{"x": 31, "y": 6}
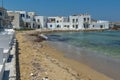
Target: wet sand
{"x": 38, "y": 60}
{"x": 104, "y": 64}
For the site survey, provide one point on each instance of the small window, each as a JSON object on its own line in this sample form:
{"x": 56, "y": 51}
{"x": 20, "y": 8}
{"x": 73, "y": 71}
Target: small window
{"x": 101, "y": 26}
{"x": 68, "y": 26}
{"x": 34, "y": 19}
{"x": 84, "y": 25}
{"x": 88, "y": 19}
{"x": 76, "y": 26}
{"x": 73, "y": 20}
{"x": 76, "y": 20}
{"x": 84, "y": 19}
{"x": 27, "y": 16}
{"x": 38, "y": 26}
{"x": 0, "y": 13}
{"x": 57, "y": 21}
{"x": 22, "y": 15}
{"x": 12, "y": 17}
{"x": 58, "y": 26}
{"x": 52, "y": 20}
{"x": 38, "y": 20}
{"x": 93, "y": 25}
{"x": 50, "y": 25}
{"x": 73, "y": 26}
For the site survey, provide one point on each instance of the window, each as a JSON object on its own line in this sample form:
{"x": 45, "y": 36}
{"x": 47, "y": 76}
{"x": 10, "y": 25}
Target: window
{"x": 73, "y": 20}
{"x": 76, "y": 20}
{"x": 38, "y": 26}
{"x": 0, "y": 13}
{"x": 76, "y": 26}
{"x": 73, "y": 26}
{"x": 101, "y": 26}
{"x": 88, "y": 19}
{"x": 33, "y": 25}
{"x": 84, "y": 19}
{"x": 84, "y": 26}
{"x": 12, "y": 17}
{"x": 27, "y": 16}
{"x": 22, "y": 15}
{"x": 58, "y": 26}
{"x": 93, "y": 25}
{"x": 50, "y": 25}
{"x": 68, "y": 26}
{"x": 57, "y": 21}
{"x": 33, "y": 19}
{"x": 52, "y": 20}
{"x": 38, "y": 20}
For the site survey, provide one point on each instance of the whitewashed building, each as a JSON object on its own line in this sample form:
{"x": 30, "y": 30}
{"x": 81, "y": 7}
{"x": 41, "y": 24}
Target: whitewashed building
{"x": 55, "y": 23}
{"x": 15, "y": 19}
{"x": 41, "y": 22}
{"x": 80, "y": 22}
{"x": 99, "y": 25}
{"x": 22, "y": 19}
{"x": 75, "y": 22}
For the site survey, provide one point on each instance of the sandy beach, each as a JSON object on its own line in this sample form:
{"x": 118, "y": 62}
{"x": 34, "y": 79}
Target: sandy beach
{"x": 38, "y": 60}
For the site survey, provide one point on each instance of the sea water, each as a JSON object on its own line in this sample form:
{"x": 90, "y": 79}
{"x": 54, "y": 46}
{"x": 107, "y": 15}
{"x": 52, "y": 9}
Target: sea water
{"x": 106, "y": 43}
{"x": 99, "y": 50}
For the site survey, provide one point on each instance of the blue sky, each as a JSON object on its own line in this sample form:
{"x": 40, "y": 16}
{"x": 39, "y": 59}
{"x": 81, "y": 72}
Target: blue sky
{"x": 99, "y": 9}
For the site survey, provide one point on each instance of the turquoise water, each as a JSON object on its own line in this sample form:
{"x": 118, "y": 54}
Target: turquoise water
{"x": 106, "y": 43}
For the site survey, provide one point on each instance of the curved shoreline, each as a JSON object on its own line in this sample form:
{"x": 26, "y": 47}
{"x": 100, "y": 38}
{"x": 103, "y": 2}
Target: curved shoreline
{"x": 44, "y": 60}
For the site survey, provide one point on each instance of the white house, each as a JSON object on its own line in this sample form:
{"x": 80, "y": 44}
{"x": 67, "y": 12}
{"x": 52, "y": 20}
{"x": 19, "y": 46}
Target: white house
{"x": 80, "y": 22}
{"x": 41, "y": 22}
{"x": 55, "y": 23}
{"x": 22, "y": 19}
{"x": 99, "y": 25}
{"x": 66, "y": 24}
{"x": 25, "y": 19}
{"x": 76, "y": 22}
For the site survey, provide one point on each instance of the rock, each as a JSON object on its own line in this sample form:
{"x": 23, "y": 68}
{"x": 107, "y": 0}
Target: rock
{"x": 45, "y": 78}
{"x": 31, "y": 74}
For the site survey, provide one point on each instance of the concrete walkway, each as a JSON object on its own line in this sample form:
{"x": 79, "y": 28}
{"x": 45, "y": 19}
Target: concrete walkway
{"x": 10, "y": 65}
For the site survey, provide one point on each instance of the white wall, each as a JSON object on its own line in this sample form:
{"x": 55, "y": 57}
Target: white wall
{"x": 66, "y": 26}
{"x": 16, "y": 21}
{"x": 99, "y": 25}
{"x": 79, "y": 21}
{"x": 51, "y": 26}
{"x": 42, "y": 21}
{"x": 56, "y": 24}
